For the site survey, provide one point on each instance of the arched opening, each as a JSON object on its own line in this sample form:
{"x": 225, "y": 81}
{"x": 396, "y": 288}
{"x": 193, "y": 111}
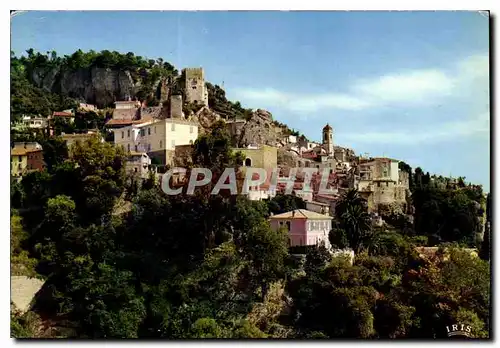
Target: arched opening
{"x": 248, "y": 162}
{"x": 307, "y": 164}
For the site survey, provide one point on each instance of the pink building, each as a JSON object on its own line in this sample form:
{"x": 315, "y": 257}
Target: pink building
{"x": 304, "y": 227}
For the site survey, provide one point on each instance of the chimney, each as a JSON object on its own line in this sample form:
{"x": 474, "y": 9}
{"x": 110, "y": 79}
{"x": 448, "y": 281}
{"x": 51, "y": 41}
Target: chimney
{"x": 293, "y": 213}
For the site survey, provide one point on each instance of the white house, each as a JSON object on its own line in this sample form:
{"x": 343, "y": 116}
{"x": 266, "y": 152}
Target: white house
{"x": 34, "y": 122}
{"x": 261, "y": 192}
{"x": 156, "y": 135}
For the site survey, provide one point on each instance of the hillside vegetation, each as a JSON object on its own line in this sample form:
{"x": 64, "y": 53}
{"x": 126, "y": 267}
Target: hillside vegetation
{"x": 210, "y": 266}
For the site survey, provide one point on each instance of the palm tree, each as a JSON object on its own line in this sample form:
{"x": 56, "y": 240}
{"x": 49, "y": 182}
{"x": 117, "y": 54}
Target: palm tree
{"x": 354, "y": 219}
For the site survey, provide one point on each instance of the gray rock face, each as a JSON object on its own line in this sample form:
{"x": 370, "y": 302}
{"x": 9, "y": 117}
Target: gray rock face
{"x": 95, "y": 85}
{"x": 259, "y": 130}
{"x": 206, "y": 119}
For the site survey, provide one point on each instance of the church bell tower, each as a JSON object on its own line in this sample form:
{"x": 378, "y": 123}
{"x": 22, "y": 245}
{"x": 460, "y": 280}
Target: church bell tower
{"x": 328, "y": 139}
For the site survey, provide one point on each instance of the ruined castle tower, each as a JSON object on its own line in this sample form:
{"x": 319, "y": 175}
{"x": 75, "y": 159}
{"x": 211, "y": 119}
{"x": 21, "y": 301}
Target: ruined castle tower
{"x": 195, "y": 86}
{"x": 328, "y": 139}
{"x": 164, "y": 89}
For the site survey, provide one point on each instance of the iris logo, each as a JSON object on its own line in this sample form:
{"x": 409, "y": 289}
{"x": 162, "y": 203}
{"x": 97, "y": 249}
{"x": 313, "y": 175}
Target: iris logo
{"x": 459, "y": 330}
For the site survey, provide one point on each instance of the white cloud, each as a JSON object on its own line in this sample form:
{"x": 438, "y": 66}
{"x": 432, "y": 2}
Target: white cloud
{"x": 408, "y": 87}
{"x": 476, "y": 66}
{"x": 401, "y": 88}
{"x": 476, "y": 125}
{"x": 301, "y": 103}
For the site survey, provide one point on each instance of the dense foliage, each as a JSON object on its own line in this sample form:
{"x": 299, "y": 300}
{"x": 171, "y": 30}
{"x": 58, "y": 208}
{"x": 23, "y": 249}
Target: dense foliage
{"x": 209, "y": 266}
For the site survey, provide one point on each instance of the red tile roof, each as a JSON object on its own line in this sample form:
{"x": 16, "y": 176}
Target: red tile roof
{"x": 23, "y": 151}
{"x": 62, "y": 114}
{"x": 114, "y": 122}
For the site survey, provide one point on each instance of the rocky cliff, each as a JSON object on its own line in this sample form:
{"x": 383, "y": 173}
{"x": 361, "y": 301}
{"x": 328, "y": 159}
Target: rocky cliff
{"x": 100, "y": 86}
{"x": 258, "y": 129}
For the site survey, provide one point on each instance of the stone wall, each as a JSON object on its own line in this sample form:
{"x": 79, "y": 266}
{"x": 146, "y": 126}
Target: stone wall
{"x": 176, "y": 106}
{"x": 384, "y": 192}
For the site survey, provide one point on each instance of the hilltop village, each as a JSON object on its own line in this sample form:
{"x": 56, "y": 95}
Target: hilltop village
{"x": 99, "y": 251}
{"x": 160, "y": 137}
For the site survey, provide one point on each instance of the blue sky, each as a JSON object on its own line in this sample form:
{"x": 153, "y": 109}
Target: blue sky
{"x": 408, "y": 85}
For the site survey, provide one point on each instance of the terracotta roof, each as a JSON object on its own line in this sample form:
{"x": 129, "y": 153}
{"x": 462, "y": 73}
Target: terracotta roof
{"x": 302, "y": 214}
{"x": 62, "y": 114}
{"x": 126, "y": 102}
{"x": 114, "y": 122}
{"x": 22, "y": 151}
{"x": 329, "y": 197}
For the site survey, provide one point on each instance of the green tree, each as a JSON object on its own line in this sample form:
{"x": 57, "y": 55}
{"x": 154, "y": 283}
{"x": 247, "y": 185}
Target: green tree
{"x": 351, "y": 212}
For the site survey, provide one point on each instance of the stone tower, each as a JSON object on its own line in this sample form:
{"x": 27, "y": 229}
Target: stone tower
{"x": 196, "y": 91}
{"x": 328, "y": 139}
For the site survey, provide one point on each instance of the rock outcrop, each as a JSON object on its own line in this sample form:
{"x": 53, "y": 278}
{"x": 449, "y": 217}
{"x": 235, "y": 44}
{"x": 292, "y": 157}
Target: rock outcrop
{"x": 258, "y": 129}
{"x": 97, "y": 86}
{"x": 206, "y": 118}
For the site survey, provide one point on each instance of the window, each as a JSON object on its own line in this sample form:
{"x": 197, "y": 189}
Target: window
{"x": 135, "y": 148}
{"x": 128, "y": 133}
{"x": 248, "y": 162}
{"x": 378, "y": 184}
{"x": 155, "y": 129}
{"x": 191, "y": 129}
{"x": 128, "y": 147}
{"x": 173, "y": 127}
{"x": 288, "y": 225}
{"x": 173, "y": 143}
{"x": 194, "y": 87}
{"x": 149, "y": 147}
{"x": 160, "y": 144}
{"x": 123, "y": 134}
{"x": 149, "y": 131}
{"x": 143, "y": 132}
{"x": 135, "y": 169}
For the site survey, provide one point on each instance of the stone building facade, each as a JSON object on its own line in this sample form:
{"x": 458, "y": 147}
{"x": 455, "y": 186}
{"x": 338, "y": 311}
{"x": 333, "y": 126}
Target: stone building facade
{"x": 195, "y": 88}
{"x": 262, "y": 157}
{"x": 382, "y": 182}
